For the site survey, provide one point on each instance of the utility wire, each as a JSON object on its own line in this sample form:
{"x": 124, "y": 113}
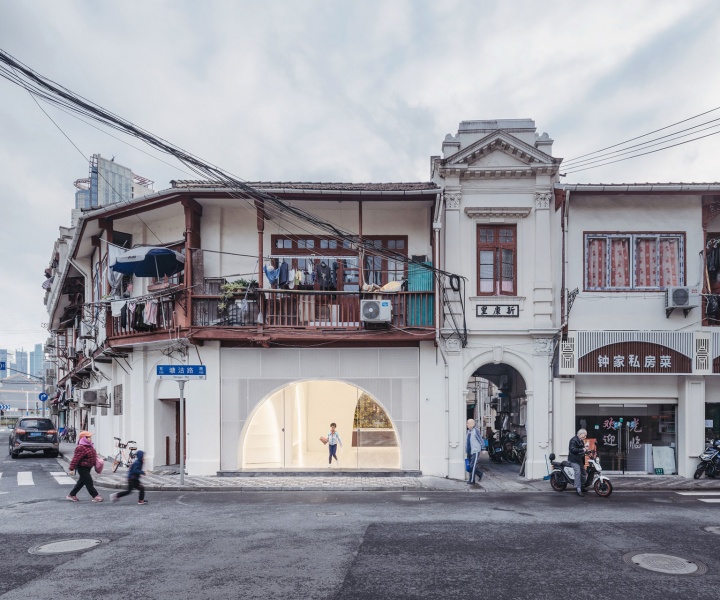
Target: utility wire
{"x": 644, "y": 134}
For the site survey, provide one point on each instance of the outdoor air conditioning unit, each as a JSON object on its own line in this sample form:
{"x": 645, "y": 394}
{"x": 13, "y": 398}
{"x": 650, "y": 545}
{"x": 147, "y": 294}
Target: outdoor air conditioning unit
{"x": 94, "y": 397}
{"x": 375, "y": 311}
{"x": 86, "y": 331}
{"x": 685, "y": 297}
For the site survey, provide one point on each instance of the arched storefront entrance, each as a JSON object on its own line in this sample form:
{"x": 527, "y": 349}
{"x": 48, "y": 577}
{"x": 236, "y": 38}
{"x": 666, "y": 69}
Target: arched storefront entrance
{"x": 496, "y": 399}
{"x": 284, "y": 431}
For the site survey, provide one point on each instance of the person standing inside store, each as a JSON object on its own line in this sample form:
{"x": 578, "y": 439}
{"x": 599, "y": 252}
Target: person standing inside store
{"x": 333, "y": 439}
{"x": 576, "y": 456}
{"x": 84, "y": 460}
{"x": 474, "y": 445}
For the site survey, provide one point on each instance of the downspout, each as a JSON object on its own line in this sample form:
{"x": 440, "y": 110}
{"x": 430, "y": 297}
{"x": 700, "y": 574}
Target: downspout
{"x": 437, "y": 226}
{"x": 565, "y": 222}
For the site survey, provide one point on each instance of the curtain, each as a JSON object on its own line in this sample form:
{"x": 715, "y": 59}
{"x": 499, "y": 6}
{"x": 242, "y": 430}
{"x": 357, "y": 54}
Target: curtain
{"x": 646, "y": 262}
{"x": 596, "y": 263}
{"x": 669, "y": 262}
{"x": 620, "y": 262}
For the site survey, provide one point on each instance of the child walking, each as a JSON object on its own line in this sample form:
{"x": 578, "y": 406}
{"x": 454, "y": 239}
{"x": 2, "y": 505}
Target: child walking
{"x": 333, "y": 439}
{"x": 133, "y": 482}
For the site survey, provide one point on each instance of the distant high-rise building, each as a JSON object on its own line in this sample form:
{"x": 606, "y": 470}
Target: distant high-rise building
{"x": 4, "y": 360}
{"x": 37, "y": 360}
{"x": 21, "y": 362}
{"x": 109, "y": 183}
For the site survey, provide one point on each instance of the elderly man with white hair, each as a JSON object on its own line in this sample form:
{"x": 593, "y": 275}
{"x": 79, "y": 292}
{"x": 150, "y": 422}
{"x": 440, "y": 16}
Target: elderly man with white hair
{"x": 473, "y": 446}
{"x": 576, "y": 456}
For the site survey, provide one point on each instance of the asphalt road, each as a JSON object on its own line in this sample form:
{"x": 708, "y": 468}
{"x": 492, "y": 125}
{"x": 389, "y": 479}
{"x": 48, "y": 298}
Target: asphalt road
{"x": 349, "y": 545}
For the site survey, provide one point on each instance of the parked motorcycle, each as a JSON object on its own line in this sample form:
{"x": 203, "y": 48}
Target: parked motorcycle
{"x": 710, "y": 461}
{"x": 513, "y": 447}
{"x": 564, "y": 475}
{"x": 495, "y": 448}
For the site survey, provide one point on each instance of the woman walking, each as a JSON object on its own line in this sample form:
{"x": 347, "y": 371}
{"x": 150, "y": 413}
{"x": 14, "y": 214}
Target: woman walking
{"x": 84, "y": 460}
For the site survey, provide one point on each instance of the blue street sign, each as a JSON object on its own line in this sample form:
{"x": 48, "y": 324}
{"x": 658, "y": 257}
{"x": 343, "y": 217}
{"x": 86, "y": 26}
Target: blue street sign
{"x": 2, "y": 366}
{"x": 181, "y": 372}
{"x": 43, "y": 397}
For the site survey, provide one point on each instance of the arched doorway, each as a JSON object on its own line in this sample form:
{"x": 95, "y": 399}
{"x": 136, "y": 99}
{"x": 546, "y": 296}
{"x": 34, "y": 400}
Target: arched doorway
{"x": 284, "y": 430}
{"x": 496, "y": 399}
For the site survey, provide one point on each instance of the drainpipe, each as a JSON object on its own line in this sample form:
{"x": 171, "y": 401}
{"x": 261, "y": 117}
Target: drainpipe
{"x": 437, "y": 226}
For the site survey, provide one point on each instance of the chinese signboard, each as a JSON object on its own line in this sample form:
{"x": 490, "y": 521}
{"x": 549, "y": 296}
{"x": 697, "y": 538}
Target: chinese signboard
{"x": 497, "y": 310}
{"x": 635, "y": 357}
{"x": 181, "y": 372}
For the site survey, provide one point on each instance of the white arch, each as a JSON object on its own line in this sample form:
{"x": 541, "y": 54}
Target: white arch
{"x": 509, "y": 357}
{"x": 359, "y": 391}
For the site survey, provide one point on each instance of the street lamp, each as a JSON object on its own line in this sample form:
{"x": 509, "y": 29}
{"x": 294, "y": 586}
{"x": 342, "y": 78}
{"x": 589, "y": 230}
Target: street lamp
{"x": 40, "y": 379}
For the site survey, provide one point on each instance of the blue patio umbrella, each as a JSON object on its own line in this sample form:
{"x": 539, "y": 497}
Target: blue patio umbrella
{"x": 149, "y": 261}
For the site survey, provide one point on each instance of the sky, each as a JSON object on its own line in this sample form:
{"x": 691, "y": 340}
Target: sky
{"x": 333, "y": 90}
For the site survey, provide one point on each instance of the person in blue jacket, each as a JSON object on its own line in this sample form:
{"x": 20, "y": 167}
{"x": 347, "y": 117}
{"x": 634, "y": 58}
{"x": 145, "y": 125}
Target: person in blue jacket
{"x": 133, "y": 481}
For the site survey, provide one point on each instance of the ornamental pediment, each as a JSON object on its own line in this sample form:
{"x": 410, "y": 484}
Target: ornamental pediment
{"x": 499, "y": 149}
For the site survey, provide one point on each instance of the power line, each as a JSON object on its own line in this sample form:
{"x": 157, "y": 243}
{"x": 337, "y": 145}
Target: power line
{"x": 645, "y": 134}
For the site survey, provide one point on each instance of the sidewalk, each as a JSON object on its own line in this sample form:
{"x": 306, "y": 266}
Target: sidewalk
{"x": 497, "y": 478}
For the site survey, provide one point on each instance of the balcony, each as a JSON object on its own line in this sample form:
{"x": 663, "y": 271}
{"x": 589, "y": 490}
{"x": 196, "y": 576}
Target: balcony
{"x": 132, "y": 324}
{"x": 311, "y": 310}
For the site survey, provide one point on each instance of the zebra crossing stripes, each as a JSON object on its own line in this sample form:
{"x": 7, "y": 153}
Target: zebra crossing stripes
{"x": 62, "y": 478}
{"x": 708, "y": 500}
{"x": 25, "y": 478}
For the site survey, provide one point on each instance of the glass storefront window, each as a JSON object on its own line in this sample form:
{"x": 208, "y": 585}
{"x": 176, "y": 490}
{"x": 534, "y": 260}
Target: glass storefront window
{"x": 631, "y": 438}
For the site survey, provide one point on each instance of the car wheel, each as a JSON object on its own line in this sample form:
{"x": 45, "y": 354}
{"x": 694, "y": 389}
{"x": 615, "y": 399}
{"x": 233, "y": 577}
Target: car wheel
{"x": 14, "y": 454}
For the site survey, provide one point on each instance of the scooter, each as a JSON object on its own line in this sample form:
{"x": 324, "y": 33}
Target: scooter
{"x": 563, "y": 475}
{"x": 710, "y": 464}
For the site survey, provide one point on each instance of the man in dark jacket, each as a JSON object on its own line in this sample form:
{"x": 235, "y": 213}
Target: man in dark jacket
{"x": 576, "y": 456}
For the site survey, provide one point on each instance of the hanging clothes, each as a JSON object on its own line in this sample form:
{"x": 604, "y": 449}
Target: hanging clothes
{"x": 116, "y": 307}
{"x": 151, "y": 310}
{"x": 323, "y": 275}
{"x": 284, "y": 275}
{"x": 271, "y": 274}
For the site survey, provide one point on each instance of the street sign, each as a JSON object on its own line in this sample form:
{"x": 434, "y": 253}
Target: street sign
{"x": 43, "y": 397}
{"x": 5, "y": 406}
{"x": 181, "y": 372}
{"x": 2, "y": 366}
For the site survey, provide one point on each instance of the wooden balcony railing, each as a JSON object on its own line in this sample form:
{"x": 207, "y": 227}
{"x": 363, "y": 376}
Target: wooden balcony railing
{"x": 130, "y": 324}
{"x": 310, "y": 309}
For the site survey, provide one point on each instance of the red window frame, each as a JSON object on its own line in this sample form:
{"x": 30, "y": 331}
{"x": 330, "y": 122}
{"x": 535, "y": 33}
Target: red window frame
{"x": 497, "y": 242}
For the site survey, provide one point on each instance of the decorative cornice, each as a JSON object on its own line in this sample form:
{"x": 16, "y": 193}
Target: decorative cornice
{"x": 543, "y": 346}
{"x": 452, "y": 201}
{"x": 503, "y": 142}
{"x": 490, "y": 212}
{"x": 542, "y": 200}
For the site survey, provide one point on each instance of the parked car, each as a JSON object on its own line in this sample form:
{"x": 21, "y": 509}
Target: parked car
{"x": 31, "y": 434}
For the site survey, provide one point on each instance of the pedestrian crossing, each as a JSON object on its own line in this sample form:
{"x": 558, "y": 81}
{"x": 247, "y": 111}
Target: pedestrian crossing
{"x": 28, "y": 477}
{"x": 708, "y": 500}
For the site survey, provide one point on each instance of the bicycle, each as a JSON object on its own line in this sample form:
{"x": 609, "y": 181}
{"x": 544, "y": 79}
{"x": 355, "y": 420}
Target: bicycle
{"x": 121, "y": 458}
{"x": 68, "y": 435}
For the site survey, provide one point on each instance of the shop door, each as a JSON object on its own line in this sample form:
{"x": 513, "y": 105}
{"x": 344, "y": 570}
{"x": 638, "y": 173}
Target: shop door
{"x": 629, "y": 437}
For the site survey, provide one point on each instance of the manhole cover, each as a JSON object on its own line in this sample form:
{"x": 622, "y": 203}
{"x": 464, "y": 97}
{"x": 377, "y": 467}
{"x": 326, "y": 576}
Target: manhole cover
{"x": 61, "y": 546}
{"x": 712, "y": 529}
{"x": 664, "y": 563}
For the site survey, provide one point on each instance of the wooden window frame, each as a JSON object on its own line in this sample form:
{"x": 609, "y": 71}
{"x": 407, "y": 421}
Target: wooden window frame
{"x": 496, "y": 246}
{"x": 632, "y": 236}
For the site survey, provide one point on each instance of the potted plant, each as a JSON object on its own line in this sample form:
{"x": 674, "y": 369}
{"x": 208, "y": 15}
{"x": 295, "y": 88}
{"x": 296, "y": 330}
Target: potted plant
{"x": 232, "y": 289}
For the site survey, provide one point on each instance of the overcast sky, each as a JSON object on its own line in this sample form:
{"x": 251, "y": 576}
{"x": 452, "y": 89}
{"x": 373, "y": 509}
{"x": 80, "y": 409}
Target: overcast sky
{"x": 334, "y": 90}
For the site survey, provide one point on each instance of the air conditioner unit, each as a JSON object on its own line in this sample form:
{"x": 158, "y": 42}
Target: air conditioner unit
{"x": 375, "y": 311}
{"x": 86, "y": 331}
{"x": 685, "y": 297}
{"x": 95, "y": 397}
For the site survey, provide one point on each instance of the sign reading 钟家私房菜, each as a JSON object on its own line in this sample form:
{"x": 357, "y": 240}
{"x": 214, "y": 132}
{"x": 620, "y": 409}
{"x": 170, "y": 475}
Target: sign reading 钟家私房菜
{"x": 634, "y": 357}
{"x": 181, "y": 372}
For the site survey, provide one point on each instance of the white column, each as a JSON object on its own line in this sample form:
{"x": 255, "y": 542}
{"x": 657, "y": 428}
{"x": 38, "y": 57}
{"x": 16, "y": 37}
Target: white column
{"x": 542, "y": 284}
{"x": 563, "y": 416}
{"x": 538, "y": 419}
{"x": 690, "y": 424}
{"x": 456, "y": 425}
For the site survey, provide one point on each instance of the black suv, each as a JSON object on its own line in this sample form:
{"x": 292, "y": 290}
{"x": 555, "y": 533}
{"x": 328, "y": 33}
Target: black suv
{"x": 32, "y": 435}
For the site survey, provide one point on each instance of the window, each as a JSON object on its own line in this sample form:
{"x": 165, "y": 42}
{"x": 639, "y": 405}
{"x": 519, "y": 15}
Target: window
{"x": 496, "y": 259}
{"x": 636, "y": 261}
{"x": 118, "y": 400}
{"x": 304, "y": 251}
